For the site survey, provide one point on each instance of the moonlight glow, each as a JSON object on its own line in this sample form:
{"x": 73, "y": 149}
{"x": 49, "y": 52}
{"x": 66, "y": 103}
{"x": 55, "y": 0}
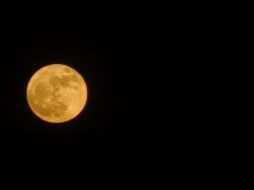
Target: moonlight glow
{"x": 56, "y": 93}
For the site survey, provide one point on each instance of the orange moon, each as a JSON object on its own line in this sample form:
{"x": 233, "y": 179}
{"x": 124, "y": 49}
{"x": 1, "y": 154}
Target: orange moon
{"x": 56, "y": 93}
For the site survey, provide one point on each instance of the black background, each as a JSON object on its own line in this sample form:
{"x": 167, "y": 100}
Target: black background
{"x": 150, "y": 70}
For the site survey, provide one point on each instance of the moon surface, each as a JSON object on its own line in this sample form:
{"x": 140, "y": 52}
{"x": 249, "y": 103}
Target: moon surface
{"x": 56, "y": 93}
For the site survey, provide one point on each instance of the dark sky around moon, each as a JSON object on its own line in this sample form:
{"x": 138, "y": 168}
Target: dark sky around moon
{"x": 151, "y": 76}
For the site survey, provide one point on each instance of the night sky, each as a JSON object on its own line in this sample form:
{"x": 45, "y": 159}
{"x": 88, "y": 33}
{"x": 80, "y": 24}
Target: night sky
{"x": 150, "y": 71}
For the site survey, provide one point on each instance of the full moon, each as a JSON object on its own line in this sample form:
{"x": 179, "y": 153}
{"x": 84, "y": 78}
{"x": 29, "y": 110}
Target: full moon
{"x": 56, "y": 93}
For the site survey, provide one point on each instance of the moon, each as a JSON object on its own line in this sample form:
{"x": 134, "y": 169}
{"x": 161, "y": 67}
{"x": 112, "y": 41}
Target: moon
{"x": 56, "y": 93}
